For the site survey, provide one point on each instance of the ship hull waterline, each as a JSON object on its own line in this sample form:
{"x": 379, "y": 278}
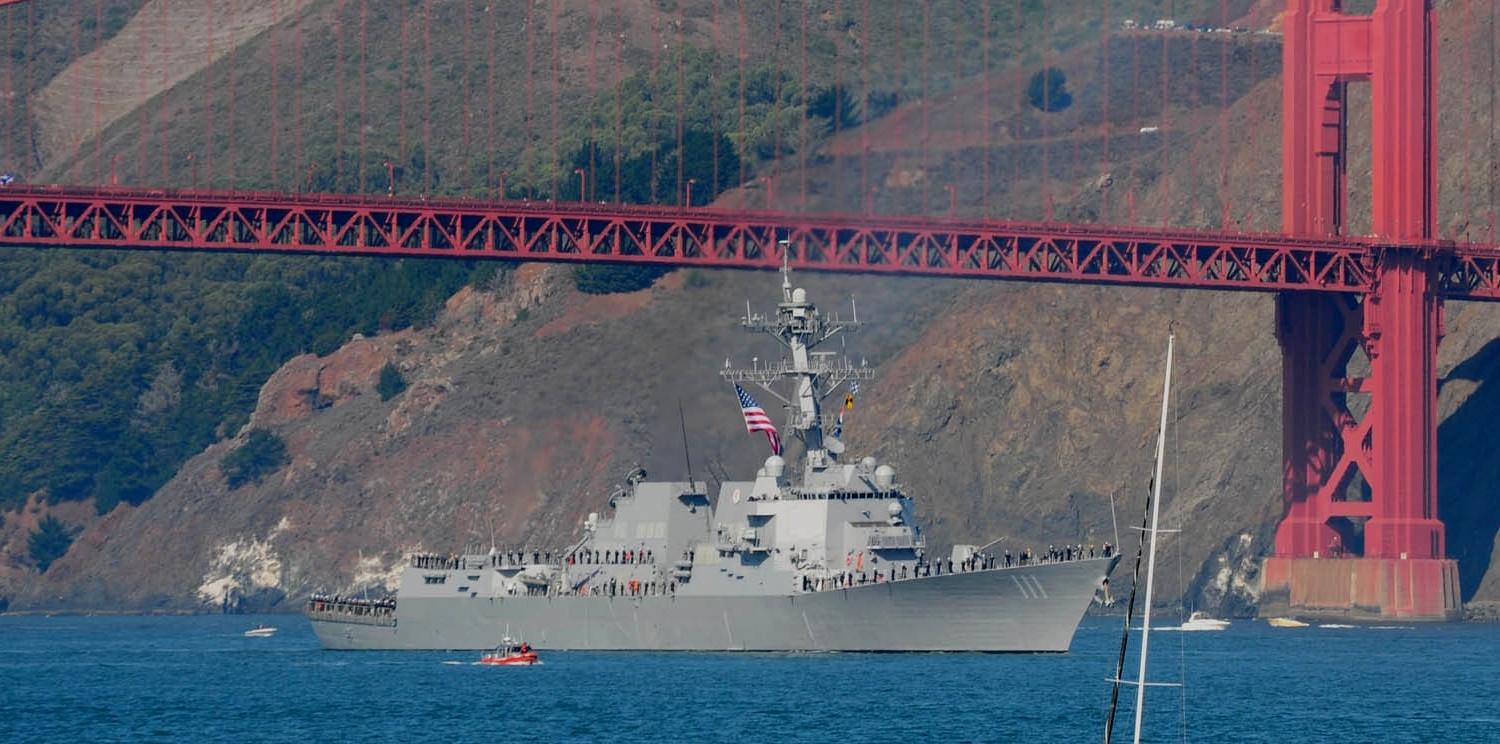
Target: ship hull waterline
{"x": 1021, "y": 609}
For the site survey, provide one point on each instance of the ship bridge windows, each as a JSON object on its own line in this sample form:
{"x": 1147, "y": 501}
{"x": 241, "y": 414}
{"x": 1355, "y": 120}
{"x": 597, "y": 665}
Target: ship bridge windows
{"x": 434, "y": 578}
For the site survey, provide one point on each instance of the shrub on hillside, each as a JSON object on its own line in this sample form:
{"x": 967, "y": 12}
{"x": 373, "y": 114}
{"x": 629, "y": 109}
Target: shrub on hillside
{"x": 613, "y": 278}
{"x": 262, "y": 454}
{"x": 391, "y": 382}
{"x": 50, "y": 542}
{"x": 1048, "y": 90}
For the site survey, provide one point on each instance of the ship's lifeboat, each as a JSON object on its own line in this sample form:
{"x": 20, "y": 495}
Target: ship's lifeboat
{"x": 510, "y": 653}
{"x": 534, "y": 580}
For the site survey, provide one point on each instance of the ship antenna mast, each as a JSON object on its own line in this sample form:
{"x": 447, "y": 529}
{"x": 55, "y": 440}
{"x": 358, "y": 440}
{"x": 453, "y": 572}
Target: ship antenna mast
{"x": 786, "y": 274}
{"x": 686, "y": 455}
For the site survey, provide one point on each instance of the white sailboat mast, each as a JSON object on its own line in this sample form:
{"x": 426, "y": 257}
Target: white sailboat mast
{"x": 1161, "y": 451}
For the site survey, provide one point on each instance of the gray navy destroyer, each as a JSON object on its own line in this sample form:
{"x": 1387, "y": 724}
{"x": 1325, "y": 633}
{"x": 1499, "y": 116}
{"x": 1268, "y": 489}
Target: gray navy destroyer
{"x": 830, "y": 559}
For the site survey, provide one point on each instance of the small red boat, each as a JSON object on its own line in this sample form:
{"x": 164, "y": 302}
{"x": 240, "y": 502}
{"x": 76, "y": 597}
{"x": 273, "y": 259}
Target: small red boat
{"x": 510, "y": 653}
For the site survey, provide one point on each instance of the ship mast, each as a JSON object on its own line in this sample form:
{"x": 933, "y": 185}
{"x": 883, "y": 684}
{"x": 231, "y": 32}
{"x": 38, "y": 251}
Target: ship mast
{"x": 800, "y": 327}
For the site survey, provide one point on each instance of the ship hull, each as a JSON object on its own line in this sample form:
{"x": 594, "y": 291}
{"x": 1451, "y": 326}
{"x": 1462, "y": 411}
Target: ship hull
{"x": 1033, "y": 608}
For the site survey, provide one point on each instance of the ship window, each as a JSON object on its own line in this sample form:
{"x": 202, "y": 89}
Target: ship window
{"x": 463, "y": 589}
{"x": 439, "y": 579}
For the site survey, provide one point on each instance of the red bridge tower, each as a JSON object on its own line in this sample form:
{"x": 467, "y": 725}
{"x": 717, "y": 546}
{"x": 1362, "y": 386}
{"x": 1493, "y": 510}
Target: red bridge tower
{"x": 1360, "y": 534}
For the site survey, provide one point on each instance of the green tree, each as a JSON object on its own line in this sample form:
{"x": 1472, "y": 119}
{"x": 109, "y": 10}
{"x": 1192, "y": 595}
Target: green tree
{"x": 616, "y": 278}
{"x": 49, "y": 542}
{"x": 1047, "y": 90}
{"x": 262, "y": 453}
{"x": 391, "y": 382}
{"x": 836, "y": 104}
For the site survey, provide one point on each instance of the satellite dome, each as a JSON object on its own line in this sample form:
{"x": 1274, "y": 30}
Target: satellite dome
{"x": 775, "y": 466}
{"x": 799, "y": 296}
{"x": 885, "y": 477}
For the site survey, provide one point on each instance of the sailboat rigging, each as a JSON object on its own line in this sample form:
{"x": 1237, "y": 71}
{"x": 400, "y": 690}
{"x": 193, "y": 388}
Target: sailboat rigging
{"x": 1148, "y": 544}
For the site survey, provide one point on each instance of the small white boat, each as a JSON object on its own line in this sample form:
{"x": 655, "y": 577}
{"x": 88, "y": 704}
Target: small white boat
{"x": 1286, "y": 622}
{"x": 1200, "y": 621}
{"x": 260, "y": 631}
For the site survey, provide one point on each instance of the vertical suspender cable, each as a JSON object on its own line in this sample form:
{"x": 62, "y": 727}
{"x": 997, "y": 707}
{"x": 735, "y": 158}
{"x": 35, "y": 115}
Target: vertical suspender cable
{"x": 898, "y": 67}
{"x": 364, "y": 94}
{"x": 466, "y": 63}
{"x": 492, "y": 15}
{"x": 1018, "y": 145}
{"x": 619, "y": 101}
{"x": 29, "y": 141}
{"x": 715, "y": 122}
{"x": 297, "y": 84}
{"x": 776, "y": 54}
{"x": 926, "y": 108}
{"x": 802, "y": 120}
{"x": 839, "y": 95}
{"x": 77, "y": 102}
{"x": 275, "y": 118}
{"x": 10, "y": 147}
{"x": 1493, "y": 153}
{"x": 229, "y": 70}
{"x": 1047, "y": 108}
{"x": 402, "y": 71}
{"x": 1224, "y": 117}
{"x": 1254, "y": 116}
{"x": 677, "y": 197}
{"x": 864, "y": 96}
{"x": 1135, "y": 97}
{"x": 557, "y": 93}
{"x": 1465, "y": 129}
{"x": 593, "y": 141}
{"x": 744, "y": 39}
{"x": 426, "y": 112}
{"x": 531, "y": 134}
{"x": 338, "y": 95}
{"x": 140, "y": 83}
{"x": 958, "y": 164}
{"x": 1075, "y": 135}
{"x": 986, "y": 119}
{"x": 166, "y": 79}
{"x": 655, "y": 136}
{"x": 208, "y": 103}
{"x": 1166, "y": 130}
{"x": 1104, "y": 122}
{"x": 98, "y": 130}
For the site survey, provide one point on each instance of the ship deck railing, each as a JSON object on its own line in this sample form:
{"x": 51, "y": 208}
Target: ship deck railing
{"x": 352, "y": 610}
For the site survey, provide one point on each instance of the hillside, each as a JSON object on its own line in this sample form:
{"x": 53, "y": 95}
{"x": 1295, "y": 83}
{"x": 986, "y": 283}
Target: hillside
{"x": 1022, "y": 411}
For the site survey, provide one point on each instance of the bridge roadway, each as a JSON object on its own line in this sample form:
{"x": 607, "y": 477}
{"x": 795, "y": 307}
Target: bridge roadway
{"x": 166, "y": 219}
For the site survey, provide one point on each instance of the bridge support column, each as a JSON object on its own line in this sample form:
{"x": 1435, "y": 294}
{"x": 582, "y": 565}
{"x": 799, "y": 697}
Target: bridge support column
{"x": 1360, "y": 534}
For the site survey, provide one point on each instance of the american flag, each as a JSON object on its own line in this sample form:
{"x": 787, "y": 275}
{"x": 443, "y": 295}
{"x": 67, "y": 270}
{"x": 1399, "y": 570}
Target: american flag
{"x": 757, "y": 420}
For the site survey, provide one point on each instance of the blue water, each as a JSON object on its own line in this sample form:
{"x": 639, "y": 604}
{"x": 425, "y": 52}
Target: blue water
{"x": 198, "y": 679}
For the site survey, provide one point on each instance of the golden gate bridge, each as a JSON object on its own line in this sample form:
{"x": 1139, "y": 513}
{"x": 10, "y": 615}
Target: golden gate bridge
{"x": 1380, "y": 294}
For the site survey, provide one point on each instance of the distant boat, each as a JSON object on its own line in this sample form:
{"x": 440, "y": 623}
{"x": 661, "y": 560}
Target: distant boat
{"x": 260, "y": 631}
{"x": 1200, "y": 621}
{"x": 1286, "y": 622}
